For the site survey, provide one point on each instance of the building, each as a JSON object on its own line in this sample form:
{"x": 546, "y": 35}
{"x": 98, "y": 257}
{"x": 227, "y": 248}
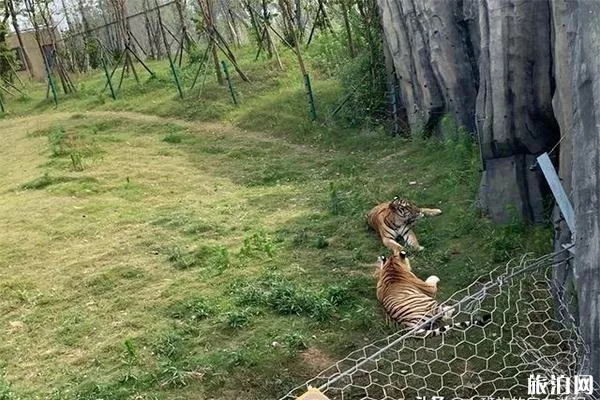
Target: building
{"x": 32, "y": 48}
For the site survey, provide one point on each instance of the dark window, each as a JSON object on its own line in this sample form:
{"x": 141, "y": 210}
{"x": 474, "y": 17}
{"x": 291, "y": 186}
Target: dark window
{"x": 20, "y": 64}
{"x": 49, "y": 54}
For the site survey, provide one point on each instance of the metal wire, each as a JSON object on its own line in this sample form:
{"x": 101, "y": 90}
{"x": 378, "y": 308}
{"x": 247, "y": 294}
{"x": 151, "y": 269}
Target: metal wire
{"x": 523, "y": 337}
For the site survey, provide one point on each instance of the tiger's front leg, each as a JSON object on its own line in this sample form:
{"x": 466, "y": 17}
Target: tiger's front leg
{"x": 430, "y": 212}
{"x": 411, "y": 240}
{"x": 392, "y": 245}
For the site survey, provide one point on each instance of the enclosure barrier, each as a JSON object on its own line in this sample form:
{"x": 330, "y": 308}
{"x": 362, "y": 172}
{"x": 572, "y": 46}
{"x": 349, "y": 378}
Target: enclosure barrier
{"x": 531, "y": 348}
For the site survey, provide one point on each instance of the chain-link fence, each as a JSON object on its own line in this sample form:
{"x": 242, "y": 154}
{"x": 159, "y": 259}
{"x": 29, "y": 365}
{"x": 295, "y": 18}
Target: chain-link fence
{"x": 531, "y": 337}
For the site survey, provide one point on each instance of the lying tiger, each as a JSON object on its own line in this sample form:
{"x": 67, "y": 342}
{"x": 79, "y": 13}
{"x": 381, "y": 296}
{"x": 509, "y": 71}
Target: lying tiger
{"x": 410, "y": 301}
{"x": 396, "y": 218}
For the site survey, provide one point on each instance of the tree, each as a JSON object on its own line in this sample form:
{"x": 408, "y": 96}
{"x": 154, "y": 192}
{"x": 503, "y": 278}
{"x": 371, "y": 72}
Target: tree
{"x": 10, "y": 7}
{"x": 39, "y": 14}
{"x": 6, "y": 55}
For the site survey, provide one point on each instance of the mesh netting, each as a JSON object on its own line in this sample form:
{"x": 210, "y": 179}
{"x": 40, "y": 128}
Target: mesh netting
{"x": 530, "y": 333}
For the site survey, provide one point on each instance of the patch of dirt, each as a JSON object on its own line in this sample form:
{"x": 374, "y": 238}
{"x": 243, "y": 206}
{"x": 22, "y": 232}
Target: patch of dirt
{"x": 15, "y": 326}
{"x": 317, "y": 359}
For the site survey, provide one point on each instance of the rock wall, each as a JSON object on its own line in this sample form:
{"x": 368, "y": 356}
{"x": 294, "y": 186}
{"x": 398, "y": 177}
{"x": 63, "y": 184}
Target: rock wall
{"x": 521, "y": 75}
{"x": 489, "y": 64}
{"x": 577, "y": 108}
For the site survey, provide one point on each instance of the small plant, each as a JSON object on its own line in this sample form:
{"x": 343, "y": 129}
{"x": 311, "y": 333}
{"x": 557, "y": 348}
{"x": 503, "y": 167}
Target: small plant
{"x": 181, "y": 260}
{"x": 215, "y": 258}
{"x": 237, "y": 319}
{"x": 174, "y": 134}
{"x": 6, "y": 392}
{"x": 129, "y": 361}
{"x": 194, "y": 309}
{"x": 294, "y": 341}
{"x": 335, "y": 200}
{"x": 44, "y": 181}
{"x": 250, "y": 295}
{"x": 38, "y": 183}
{"x": 173, "y": 377}
{"x": 285, "y": 299}
{"x": 338, "y": 295}
{"x": 56, "y": 137}
{"x": 173, "y": 138}
{"x": 321, "y": 309}
{"x": 169, "y": 346}
{"x": 77, "y": 161}
{"x": 321, "y": 242}
{"x": 256, "y": 244}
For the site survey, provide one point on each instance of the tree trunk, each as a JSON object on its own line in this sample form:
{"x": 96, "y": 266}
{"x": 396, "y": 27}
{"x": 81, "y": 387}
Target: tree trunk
{"x": 15, "y": 24}
{"x": 254, "y": 22}
{"x": 180, "y": 5}
{"x": 207, "y": 13}
{"x": 86, "y": 37}
{"x": 351, "y": 45}
{"x": 148, "y": 27}
{"x": 70, "y": 43}
{"x": 267, "y": 34}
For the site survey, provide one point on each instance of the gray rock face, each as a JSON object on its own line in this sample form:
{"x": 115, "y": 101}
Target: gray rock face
{"x": 434, "y": 57}
{"x": 522, "y": 75}
{"x": 577, "y": 107}
{"x": 488, "y": 63}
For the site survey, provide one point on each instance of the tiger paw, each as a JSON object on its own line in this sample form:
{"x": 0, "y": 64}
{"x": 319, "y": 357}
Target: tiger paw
{"x": 419, "y": 248}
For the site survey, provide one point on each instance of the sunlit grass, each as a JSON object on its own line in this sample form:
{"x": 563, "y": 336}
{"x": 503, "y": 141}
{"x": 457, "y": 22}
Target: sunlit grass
{"x": 209, "y": 251}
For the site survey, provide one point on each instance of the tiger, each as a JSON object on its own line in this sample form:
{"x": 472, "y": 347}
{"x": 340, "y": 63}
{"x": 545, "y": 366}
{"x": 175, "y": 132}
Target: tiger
{"x": 396, "y": 218}
{"x": 409, "y": 301}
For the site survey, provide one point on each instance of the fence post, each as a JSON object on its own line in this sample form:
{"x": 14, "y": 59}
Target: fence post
{"x": 108, "y": 81}
{"x": 50, "y": 81}
{"x": 176, "y": 77}
{"x": 311, "y": 100}
{"x": 229, "y": 82}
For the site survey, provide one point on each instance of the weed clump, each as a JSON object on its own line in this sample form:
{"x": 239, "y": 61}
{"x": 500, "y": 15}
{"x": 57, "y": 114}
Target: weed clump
{"x": 257, "y": 244}
{"x": 215, "y": 258}
{"x": 286, "y": 297}
{"x": 173, "y": 138}
{"x": 238, "y": 318}
{"x": 192, "y": 309}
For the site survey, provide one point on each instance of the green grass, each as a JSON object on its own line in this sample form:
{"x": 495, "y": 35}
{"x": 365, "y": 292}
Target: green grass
{"x": 208, "y": 250}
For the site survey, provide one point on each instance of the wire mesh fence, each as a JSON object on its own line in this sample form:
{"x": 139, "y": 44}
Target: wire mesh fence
{"x": 144, "y": 30}
{"x": 530, "y": 334}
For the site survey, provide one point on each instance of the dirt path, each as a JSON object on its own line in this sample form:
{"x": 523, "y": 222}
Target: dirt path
{"x": 60, "y": 115}
{"x": 40, "y": 121}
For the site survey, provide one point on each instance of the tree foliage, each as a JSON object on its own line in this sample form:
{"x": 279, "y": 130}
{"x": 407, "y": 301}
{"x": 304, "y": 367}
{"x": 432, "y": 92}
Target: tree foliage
{"x": 6, "y": 55}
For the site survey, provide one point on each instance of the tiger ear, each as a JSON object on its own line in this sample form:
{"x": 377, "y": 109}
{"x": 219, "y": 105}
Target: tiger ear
{"x": 402, "y": 254}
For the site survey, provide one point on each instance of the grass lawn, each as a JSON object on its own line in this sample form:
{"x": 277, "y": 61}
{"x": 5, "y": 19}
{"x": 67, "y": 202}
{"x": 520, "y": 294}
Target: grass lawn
{"x": 152, "y": 248}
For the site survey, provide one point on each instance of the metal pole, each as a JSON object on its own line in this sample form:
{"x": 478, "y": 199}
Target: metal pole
{"x": 229, "y": 82}
{"x": 50, "y": 81}
{"x": 168, "y": 50}
{"x": 311, "y": 100}
{"x": 106, "y": 73}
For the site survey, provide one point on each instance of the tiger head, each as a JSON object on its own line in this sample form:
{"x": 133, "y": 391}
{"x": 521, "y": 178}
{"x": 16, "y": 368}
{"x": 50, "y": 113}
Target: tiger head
{"x": 405, "y": 211}
{"x": 398, "y": 260}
